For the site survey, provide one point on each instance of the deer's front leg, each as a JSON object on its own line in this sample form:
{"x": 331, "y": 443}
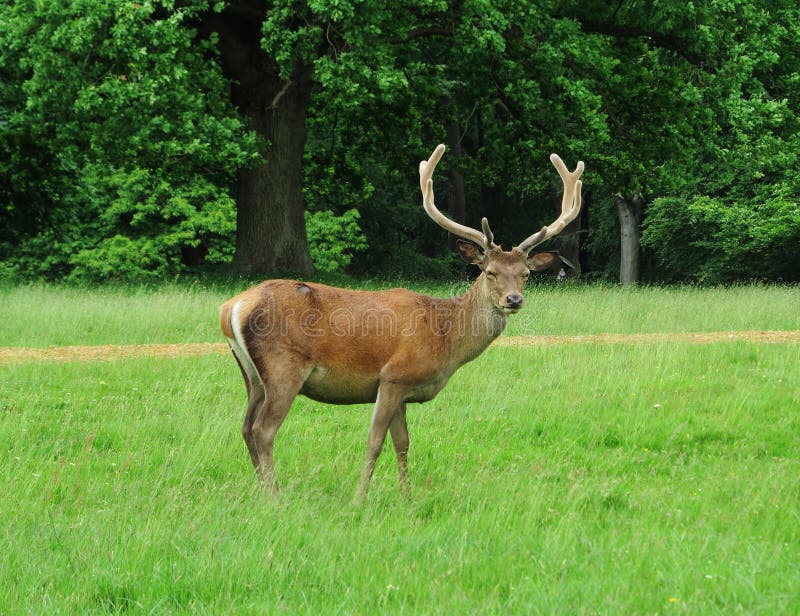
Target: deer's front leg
{"x": 388, "y": 403}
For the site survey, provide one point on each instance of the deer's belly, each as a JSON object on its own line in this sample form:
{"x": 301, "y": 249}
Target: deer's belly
{"x": 332, "y": 387}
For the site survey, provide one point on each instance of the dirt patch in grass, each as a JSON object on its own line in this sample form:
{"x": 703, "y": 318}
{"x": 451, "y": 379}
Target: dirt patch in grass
{"x": 10, "y": 355}
{"x": 108, "y": 352}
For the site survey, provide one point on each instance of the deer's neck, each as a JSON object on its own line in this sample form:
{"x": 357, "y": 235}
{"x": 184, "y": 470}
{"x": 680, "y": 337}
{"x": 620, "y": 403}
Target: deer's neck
{"x": 479, "y": 322}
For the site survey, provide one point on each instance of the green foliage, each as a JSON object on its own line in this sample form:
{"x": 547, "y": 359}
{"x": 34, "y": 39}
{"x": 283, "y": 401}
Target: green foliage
{"x": 718, "y": 240}
{"x": 162, "y": 224}
{"x": 120, "y": 144}
{"x": 126, "y": 110}
{"x": 737, "y": 214}
{"x": 333, "y": 239}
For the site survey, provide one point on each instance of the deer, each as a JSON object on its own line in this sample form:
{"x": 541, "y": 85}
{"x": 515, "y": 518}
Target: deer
{"x": 389, "y": 347}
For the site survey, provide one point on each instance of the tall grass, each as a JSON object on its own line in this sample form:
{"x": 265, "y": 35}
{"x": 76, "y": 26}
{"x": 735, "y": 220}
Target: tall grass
{"x": 624, "y": 479}
{"x": 649, "y": 478}
{"x": 579, "y": 309}
{"x": 40, "y": 315}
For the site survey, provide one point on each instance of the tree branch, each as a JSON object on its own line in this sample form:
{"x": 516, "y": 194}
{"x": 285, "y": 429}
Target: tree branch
{"x": 421, "y": 32}
{"x": 671, "y": 42}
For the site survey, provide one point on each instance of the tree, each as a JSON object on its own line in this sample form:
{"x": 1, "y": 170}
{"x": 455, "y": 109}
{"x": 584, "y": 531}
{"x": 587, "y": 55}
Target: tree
{"x": 700, "y": 102}
{"x": 120, "y": 115}
{"x": 270, "y": 223}
{"x": 737, "y": 216}
{"x": 652, "y": 103}
{"x": 278, "y": 54}
{"x": 139, "y": 139}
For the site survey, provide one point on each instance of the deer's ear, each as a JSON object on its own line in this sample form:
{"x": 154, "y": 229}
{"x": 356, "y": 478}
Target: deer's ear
{"x": 469, "y": 252}
{"x": 540, "y": 261}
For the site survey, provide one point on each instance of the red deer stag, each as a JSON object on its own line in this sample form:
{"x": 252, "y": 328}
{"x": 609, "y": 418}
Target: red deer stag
{"x": 388, "y": 347}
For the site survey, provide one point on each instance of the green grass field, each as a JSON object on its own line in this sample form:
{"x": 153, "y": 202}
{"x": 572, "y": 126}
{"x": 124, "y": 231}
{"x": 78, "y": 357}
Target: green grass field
{"x": 40, "y": 315}
{"x": 648, "y": 478}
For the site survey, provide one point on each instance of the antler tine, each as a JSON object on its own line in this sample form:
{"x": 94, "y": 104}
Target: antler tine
{"x": 487, "y": 233}
{"x": 426, "y": 168}
{"x": 570, "y": 204}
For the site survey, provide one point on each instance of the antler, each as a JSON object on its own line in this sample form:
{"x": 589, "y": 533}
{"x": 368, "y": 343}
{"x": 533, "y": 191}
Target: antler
{"x": 570, "y": 205}
{"x": 485, "y": 240}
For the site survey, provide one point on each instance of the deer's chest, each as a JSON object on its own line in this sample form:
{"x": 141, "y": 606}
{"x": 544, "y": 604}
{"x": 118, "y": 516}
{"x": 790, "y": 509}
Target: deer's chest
{"x": 427, "y": 390}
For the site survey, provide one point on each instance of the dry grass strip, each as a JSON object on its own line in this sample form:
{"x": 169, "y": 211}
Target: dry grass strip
{"x": 11, "y": 355}
{"x": 108, "y": 352}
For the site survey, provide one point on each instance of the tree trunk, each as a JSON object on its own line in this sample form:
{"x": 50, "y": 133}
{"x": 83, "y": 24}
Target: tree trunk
{"x": 270, "y": 221}
{"x": 630, "y": 218}
{"x": 457, "y": 202}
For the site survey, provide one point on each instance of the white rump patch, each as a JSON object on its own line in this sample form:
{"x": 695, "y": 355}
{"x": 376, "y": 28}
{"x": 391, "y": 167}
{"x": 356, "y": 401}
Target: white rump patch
{"x": 239, "y": 347}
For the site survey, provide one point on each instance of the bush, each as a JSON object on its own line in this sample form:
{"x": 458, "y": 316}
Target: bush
{"x": 711, "y": 239}
{"x": 119, "y": 116}
{"x": 333, "y": 239}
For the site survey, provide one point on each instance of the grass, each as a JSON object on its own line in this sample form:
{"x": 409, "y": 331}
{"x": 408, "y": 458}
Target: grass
{"x": 41, "y": 315}
{"x": 569, "y": 479}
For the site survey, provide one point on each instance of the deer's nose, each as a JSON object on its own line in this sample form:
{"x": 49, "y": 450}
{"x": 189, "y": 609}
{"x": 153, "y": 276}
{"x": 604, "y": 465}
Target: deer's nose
{"x": 514, "y": 300}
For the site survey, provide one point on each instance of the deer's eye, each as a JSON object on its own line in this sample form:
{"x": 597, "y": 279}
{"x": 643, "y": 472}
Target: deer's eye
{"x": 491, "y": 275}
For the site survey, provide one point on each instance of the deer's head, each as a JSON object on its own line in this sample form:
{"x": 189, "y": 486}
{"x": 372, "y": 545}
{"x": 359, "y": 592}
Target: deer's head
{"x": 504, "y": 271}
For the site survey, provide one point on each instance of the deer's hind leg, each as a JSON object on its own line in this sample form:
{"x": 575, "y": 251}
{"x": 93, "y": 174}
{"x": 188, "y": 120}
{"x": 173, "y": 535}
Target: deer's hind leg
{"x": 255, "y": 397}
{"x": 282, "y": 380}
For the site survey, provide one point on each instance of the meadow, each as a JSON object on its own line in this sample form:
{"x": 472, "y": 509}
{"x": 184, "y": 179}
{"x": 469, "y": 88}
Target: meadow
{"x": 656, "y": 477}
